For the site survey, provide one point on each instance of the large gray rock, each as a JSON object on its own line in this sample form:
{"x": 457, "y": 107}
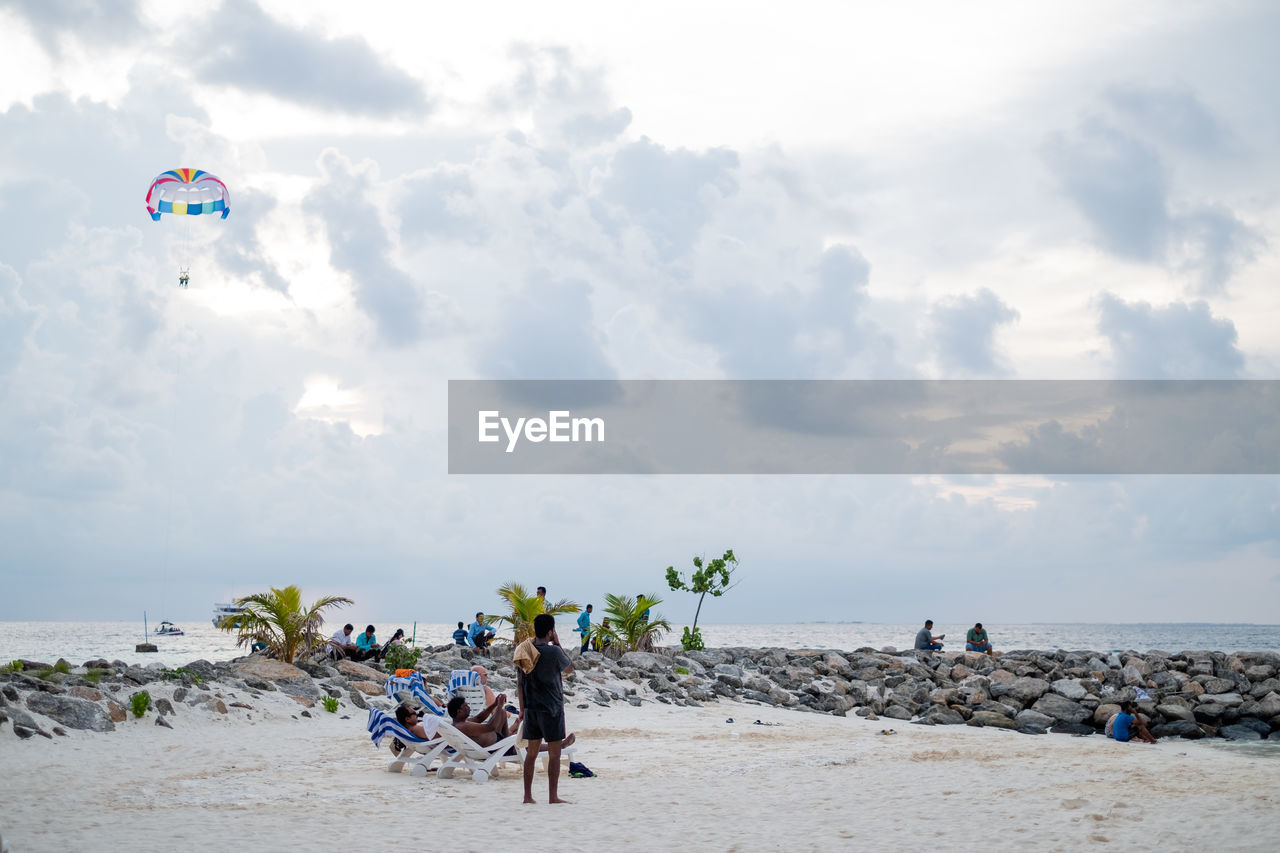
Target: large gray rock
{"x": 1024, "y": 690}
{"x": 1033, "y": 721}
{"x": 71, "y": 712}
{"x": 649, "y": 662}
{"x": 1061, "y": 708}
{"x": 1178, "y": 728}
{"x": 1226, "y": 700}
{"x": 1071, "y": 688}
{"x": 991, "y": 719}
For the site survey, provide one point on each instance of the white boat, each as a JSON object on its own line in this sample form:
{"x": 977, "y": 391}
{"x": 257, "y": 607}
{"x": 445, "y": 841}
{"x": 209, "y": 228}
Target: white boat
{"x": 168, "y": 629}
{"x": 222, "y": 610}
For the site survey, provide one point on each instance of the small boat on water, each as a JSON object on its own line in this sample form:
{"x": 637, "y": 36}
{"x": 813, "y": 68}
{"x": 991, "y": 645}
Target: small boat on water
{"x": 222, "y": 610}
{"x": 168, "y": 629}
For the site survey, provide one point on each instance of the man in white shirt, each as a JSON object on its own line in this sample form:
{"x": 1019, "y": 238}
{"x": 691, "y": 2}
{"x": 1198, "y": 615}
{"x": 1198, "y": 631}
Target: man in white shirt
{"x": 342, "y": 644}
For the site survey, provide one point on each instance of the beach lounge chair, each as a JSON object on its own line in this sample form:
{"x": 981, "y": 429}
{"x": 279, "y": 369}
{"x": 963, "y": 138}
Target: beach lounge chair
{"x": 466, "y": 754}
{"x": 418, "y": 754}
{"x": 413, "y": 690}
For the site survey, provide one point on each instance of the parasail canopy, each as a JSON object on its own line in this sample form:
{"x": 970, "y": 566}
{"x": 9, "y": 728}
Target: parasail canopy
{"x": 187, "y": 192}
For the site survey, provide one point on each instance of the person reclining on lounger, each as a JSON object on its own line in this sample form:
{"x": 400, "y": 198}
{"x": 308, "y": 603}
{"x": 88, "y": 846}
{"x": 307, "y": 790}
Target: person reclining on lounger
{"x": 421, "y": 725}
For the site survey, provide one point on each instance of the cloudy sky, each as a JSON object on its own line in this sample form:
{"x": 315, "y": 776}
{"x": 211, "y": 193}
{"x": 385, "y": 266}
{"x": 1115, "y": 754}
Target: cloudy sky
{"x": 574, "y": 190}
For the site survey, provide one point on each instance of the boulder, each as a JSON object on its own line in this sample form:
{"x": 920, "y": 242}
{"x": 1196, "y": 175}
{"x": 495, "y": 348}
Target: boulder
{"x": 1073, "y": 729}
{"x": 350, "y": 669}
{"x": 1033, "y": 721}
{"x": 991, "y": 719}
{"x": 1175, "y": 711}
{"x": 368, "y": 688}
{"x": 1061, "y": 708}
{"x": 1104, "y": 712}
{"x": 1226, "y": 700}
{"x": 1071, "y": 688}
{"x": 71, "y": 712}
{"x": 648, "y": 662}
{"x": 1024, "y": 690}
{"x": 940, "y": 715}
{"x": 90, "y": 693}
{"x": 1178, "y": 728}
{"x": 116, "y": 712}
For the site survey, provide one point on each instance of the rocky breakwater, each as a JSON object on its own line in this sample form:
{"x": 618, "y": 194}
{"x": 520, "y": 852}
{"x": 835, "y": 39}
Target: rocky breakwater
{"x": 48, "y": 699}
{"x": 1191, "y": 694}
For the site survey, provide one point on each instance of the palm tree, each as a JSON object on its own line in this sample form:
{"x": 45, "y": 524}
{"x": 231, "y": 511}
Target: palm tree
{"x": 630, "y": 629}
{"x": 278, "y": 619}
{"x": 523, "y": 607}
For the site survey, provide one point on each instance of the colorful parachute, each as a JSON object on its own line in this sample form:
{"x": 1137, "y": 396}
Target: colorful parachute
{"x": 187, "y": 192}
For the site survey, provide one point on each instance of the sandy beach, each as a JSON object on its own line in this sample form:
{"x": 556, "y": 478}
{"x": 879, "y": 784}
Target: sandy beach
{"x": 668, "y": 777}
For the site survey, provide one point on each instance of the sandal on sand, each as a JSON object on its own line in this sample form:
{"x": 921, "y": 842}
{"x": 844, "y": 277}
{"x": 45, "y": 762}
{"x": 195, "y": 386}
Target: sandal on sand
{"x": 887, "y": 732}
{"x": 730, "y": 720}
{"x": 578, "y": 770}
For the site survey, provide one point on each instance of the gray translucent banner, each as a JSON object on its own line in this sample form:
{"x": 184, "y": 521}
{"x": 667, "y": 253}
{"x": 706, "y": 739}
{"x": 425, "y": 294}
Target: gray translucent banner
{"x": 864, "y": 427}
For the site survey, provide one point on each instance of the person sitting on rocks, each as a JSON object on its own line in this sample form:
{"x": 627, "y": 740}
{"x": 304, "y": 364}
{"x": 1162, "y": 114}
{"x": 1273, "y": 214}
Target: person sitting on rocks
{"x": 925, "y": 641}
{"x": 480, "y": 634}
{"x": 976, "y": 640}
{"x": 1128, "y": 725}
{"x": 342, "y": 644}
{"x": 460, "y": 636}
{"x": 367, "y": 646}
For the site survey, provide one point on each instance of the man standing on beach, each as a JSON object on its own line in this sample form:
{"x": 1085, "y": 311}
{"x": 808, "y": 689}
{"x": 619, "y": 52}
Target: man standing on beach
{"x": 542, "y": 705}
{"x": 925, "y": 641}
{"x": 584, "y": 626}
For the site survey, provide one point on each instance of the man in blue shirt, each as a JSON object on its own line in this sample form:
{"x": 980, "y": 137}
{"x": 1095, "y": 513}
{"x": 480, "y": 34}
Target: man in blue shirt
{"x": 1127, "y": 725}
{"x": 460, "y": 636}
{"x": 367, "y": 645}
{"x": 480, "y": 634}
{"x": 584, "y": 627}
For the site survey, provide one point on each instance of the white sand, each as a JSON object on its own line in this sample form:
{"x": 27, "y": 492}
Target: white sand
{"x": 679, "y": 778}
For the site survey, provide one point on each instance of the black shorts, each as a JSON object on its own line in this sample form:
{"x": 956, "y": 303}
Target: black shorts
{"x": 544, "y": 725}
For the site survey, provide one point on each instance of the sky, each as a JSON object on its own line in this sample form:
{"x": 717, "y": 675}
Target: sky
{"x": 585, "y": 191}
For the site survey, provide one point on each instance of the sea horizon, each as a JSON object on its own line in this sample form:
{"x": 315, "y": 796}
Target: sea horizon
{"x": 79, "y": 641}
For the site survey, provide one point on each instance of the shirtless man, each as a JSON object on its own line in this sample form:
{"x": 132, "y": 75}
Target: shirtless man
{"x": 485, "y": 728}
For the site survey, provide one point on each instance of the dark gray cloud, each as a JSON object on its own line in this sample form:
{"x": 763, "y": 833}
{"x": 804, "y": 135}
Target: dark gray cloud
{"x": 964, "y": 329}
{"x": 763, "y": 331}
{"x": 110, "y": 21}
{"x": 1179, "y": 341}
{"x": 546, "y": 331}
{"x": 360, "y": 247}
{"x": 671, "y": 193}
{"x": 1119, "y": 184}
{"x": 244, "y": 47}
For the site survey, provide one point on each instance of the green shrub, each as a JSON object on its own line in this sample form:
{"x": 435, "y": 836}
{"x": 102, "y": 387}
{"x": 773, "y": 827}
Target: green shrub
{"x": 140, "y": 702}
{"x": 94, "y": 675}
{"x": 400, "y": 656}
{"x": 13, "y": 666}
{"x": 62, "y": 667}
{"x": 682, "y": 670}
{"x": 177, "y": 674}
{"x": 692, "y": 640}
{"x": 330, "y": 704}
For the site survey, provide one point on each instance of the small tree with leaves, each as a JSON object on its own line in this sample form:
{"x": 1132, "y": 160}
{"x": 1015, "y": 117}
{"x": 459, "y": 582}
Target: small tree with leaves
{"x": 715, "y": 578}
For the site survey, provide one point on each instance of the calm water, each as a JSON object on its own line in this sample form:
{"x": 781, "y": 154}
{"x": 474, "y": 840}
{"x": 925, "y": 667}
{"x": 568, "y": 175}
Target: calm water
{"x": 81, "y": 641}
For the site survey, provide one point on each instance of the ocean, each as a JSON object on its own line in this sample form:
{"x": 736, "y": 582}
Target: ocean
{"x": 82, "y": 641}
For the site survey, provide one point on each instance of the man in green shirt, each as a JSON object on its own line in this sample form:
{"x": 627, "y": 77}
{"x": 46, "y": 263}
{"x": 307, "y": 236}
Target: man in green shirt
{"x": 976, "y": 640}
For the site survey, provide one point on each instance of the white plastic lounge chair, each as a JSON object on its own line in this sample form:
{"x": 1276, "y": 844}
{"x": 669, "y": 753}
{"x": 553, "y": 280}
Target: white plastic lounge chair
{"x": 466, "y": 754}
{"x": 419, "y": 754}
{"x": 413, "y": 690}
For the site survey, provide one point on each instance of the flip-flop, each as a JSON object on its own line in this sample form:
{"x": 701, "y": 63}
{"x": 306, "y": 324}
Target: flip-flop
{"x": 887, "y": 732}
{"x": 730, "y": 720}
